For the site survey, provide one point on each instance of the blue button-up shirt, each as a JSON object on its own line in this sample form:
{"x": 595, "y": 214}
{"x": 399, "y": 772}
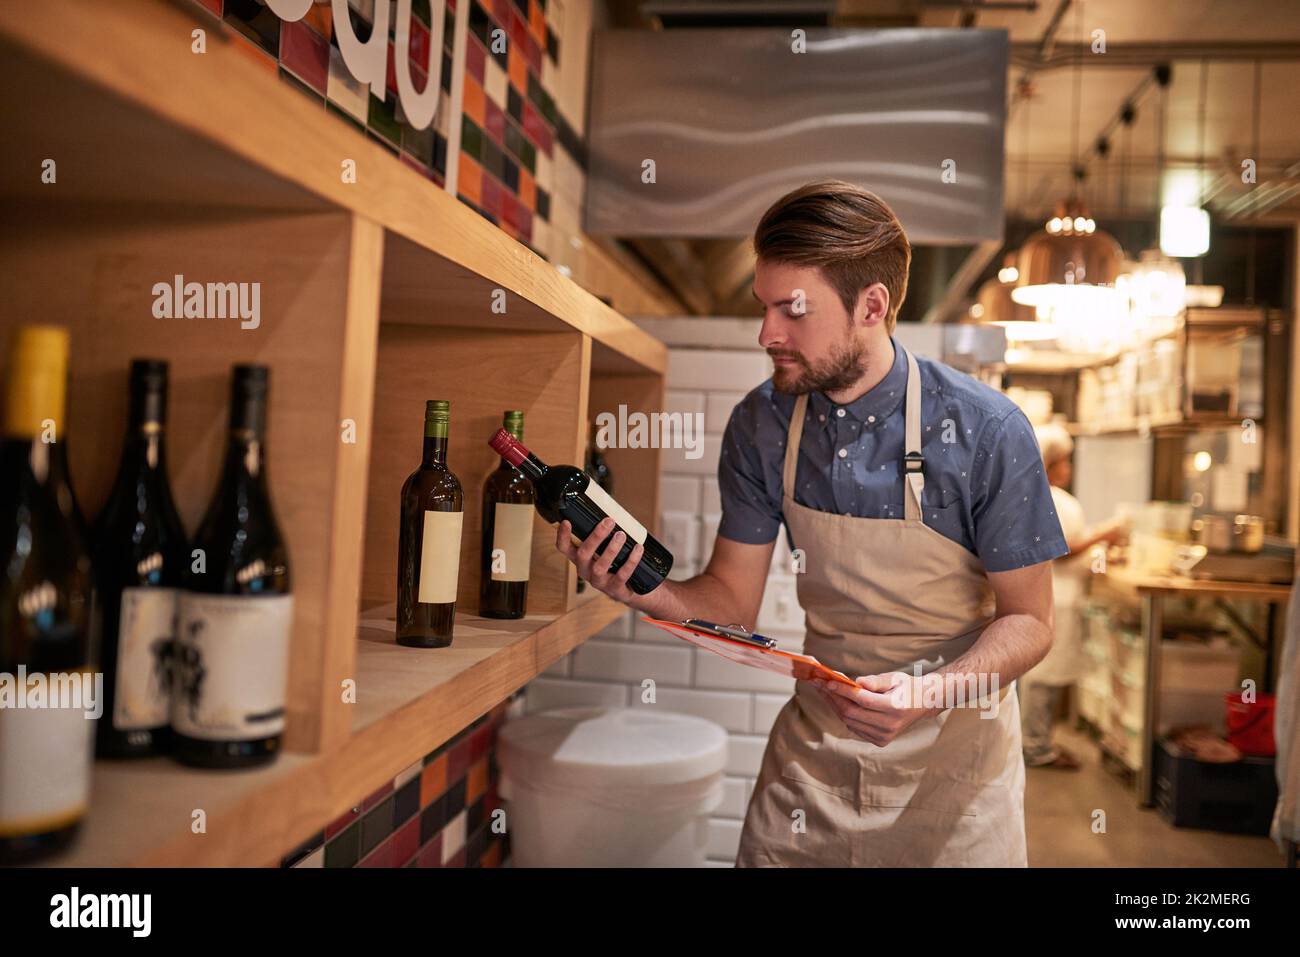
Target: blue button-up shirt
{"x": 985, "y": 486}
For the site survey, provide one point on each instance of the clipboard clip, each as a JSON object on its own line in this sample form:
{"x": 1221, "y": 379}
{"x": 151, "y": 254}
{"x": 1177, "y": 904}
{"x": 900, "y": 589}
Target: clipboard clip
{"x": 733, "y": 631}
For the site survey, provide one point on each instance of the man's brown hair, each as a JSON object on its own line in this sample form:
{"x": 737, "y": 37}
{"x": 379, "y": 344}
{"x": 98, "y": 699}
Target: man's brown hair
{"x": 848, "y": 232}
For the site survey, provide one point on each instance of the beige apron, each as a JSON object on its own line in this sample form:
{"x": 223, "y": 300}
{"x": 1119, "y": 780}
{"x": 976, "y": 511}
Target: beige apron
{"x": 882, "y": 595}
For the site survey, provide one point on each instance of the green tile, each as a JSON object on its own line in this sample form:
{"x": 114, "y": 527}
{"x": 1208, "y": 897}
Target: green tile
{"x": 382, "y": 119}
{"x": 528, "y": 156}
{"x": 471, "y": 138}
{"x": 419, "y": 143}
{"x": 420, "y": 10}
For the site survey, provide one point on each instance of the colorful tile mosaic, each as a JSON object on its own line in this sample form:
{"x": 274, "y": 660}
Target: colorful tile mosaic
{"x": 308, "y": 57}
{"x": 435, "y": 813}
{"x": 510, "y": 127}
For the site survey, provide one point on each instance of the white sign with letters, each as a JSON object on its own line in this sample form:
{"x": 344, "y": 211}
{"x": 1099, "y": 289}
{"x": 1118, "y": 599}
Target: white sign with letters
{"x": 368, "y": 61}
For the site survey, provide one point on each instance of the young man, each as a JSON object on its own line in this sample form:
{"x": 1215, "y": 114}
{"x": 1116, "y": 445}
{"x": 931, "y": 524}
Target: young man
{"x": 918, "y": 499}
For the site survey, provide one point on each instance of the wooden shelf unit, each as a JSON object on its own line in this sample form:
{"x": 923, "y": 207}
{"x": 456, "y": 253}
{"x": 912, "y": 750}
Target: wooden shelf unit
{"x": 375, "y": 296}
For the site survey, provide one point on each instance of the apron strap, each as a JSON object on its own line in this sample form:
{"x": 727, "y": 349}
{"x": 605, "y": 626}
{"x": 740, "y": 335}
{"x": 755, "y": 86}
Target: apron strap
{"x": 914, "y": 478}
{"x": 792, "y": 437}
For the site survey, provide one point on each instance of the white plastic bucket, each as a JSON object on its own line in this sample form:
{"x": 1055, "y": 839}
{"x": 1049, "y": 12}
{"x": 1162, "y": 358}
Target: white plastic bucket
{"x": 610, "y": 787}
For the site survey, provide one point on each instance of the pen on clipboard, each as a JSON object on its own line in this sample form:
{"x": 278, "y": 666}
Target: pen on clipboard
{"x": 734, "y": 632}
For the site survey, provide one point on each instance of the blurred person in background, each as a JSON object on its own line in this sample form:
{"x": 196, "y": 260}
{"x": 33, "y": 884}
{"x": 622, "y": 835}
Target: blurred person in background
{"x": 1042, "y": 688}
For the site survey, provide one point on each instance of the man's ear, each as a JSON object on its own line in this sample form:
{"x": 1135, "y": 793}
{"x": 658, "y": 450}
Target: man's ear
{"x": 872, "y": 305}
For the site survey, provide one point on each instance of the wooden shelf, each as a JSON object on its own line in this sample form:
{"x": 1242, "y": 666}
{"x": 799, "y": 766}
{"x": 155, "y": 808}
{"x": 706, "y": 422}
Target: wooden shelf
{"x": 409, "y": 701}
{"x": 114, "y": 94}
{"x": 376, "y": 295}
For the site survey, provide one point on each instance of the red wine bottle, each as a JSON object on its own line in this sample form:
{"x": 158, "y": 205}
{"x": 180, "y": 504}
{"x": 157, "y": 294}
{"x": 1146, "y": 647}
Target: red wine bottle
{"x": 231, "y": 661}
{"x": 45, "y": 589}
{"x": 596, "y": 466}
{"x": 508, "y": 500}
{"x": 428, "y": 541}
{"x": 140, "y": 557}
{"x": 565, "y": 492}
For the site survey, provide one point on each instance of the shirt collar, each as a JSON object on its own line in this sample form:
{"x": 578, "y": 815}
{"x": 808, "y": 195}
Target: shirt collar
{"x": 879, "y": 402}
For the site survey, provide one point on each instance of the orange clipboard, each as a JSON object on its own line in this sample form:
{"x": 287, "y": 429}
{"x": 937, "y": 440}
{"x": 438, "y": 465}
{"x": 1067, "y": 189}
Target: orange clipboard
{"x": 799, "y": 667}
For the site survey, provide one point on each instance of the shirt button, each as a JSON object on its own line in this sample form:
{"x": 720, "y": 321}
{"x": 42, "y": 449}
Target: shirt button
{"x": 821, "y": 418}
{"x": 840, "y": 413}
{"x": 871, "y": 418}
{"x": 843, "y": 452}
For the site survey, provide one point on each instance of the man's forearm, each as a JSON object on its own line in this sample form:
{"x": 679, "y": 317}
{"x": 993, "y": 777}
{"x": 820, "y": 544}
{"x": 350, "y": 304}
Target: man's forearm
{"x": 700, "y": 597}
{"x": 1008, "y": 648}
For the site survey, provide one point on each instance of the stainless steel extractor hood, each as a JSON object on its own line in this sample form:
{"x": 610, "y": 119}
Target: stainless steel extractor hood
{"x": 734, "y": 118}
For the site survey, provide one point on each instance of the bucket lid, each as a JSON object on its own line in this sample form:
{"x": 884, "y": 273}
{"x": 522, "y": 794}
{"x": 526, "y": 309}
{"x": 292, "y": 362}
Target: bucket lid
{"x": 611, "y": 747}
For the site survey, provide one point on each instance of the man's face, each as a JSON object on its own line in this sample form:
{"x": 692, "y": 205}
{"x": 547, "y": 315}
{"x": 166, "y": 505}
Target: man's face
{"x": 815, "y": 345}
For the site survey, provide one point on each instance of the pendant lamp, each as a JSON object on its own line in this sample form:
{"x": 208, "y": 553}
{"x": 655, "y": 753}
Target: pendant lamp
{"x": 1070, "y": 262}
{"x": 1070, "y": 265}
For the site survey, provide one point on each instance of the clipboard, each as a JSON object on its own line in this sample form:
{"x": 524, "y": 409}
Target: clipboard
{"x": 754, "y": 653}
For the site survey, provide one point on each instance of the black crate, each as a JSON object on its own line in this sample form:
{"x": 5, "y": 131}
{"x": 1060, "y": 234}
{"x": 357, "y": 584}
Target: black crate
{"x": 1238, "y": 798}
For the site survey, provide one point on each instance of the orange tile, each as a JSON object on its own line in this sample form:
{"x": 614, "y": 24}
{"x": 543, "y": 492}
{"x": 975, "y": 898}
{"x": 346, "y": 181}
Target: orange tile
{"x": 527, "y": 188}
{"x": 433, "y": 780}
{"x": 476, "y": 781}
{"x": 537, "y": 23}
{"x": 320, "y": 17}
{"x": 251, "y": 51}
{"x": 473, "y": 101}
{"x": 470, "y": 183}
{"x": 492, "y": 856}
{"x": 518, "y": 70}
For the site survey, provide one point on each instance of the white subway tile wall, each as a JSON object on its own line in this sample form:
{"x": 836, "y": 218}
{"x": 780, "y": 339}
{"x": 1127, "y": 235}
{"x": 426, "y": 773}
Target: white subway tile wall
{"x": 632, "y": 663}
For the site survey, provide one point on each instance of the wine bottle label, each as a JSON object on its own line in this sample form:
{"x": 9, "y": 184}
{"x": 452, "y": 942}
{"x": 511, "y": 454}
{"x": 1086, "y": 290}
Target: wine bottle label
{"x": 231, "y": 665}
{"x": 512, "y": 541}
{"x": 635, "y": 530}
{"x": 45, "y": 760}
{"x": 145, "y": 631}
{"x": 440, "y": 557}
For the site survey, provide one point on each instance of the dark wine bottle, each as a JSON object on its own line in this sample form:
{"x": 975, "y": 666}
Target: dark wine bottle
{"x": 565, "y": 492}
{"x": 428, "y": 541}
{"x": 139, "y": 556}
{"x": 231, "y": 660}
{"x": 594, "y": 464}
{"x": 508, "y": 500}
{"x": 45, "y": 587}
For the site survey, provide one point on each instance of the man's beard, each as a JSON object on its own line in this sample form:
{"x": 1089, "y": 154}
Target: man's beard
{"x": 843, "y": 367}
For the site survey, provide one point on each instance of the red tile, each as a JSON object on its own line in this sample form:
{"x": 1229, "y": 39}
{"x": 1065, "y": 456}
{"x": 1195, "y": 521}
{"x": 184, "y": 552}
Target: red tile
{"x": 509, "y": 211}
{"x": 406, "y": 842}
{"x": 491, "y": 201}
{"x": 475, "y": 56}
{"x": 458, "y": 860}
{"x": 451, "y": 5}
{"x": 340, "y": 823}
{"x": 431, "y": 853}
{"x": 525, "y": 223}
{"x": 213, "y": 6}
{"x": 382, "y": 856}
{"x": 419, "y": 47}
{"x": 479, "y": 741}
{"x": 532, "y": 53}
{"x": 494, "y": 121}
{"x": 518, "y": 30}
{"x": 391, "y": 79}
{"x": 378, "y": 796}
{"x": 535, "y": 129}
{"x": 306, "y": 54}
{"x": 501, "y": 10}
